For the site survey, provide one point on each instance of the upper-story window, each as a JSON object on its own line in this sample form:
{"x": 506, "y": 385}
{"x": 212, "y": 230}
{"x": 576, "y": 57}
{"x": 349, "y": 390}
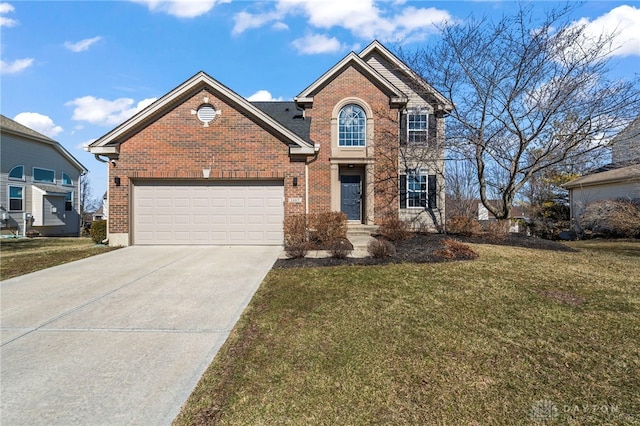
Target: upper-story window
{"x": 66, "y": 180}
{"x": 352, "y": 129}
{"x": 419, "y": 127}
{"x": 44, "y": 175}
{"x": 17, "y": 173}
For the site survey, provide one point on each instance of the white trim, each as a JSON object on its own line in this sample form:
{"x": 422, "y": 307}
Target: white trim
{"x": 9, "y": 197}
{"x": 393, "y": 59}
{"x": 22, "y": 179}
{"x": 306, "y": 96}
{"x": 33, "y": 175}
{"x": 204, "y": 80}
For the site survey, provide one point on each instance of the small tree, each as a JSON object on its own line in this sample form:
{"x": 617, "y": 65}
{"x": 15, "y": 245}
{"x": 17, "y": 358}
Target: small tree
{"x": 88, "y": 204}
{"x": 528, "y": 95}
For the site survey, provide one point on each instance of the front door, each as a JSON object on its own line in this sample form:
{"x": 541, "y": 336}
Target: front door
{"x": 350, "y": 196}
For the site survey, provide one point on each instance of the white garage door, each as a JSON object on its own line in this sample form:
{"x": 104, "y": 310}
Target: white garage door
{"x": 250, "y": 213}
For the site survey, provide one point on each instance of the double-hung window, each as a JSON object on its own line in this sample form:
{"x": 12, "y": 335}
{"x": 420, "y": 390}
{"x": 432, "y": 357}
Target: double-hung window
{"x": 352, "y": 126}
{"x": 16, "y": 198}
{"x": 418, "y": 190}
{"x": 417, "y": 127}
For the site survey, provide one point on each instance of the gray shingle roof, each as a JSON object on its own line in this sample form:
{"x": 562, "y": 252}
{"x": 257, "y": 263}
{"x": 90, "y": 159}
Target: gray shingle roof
{"x": 9, "y": 124}
{"x": 289, "y": 115}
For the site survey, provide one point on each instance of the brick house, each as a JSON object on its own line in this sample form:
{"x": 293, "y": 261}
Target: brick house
{"x": 202, "y": 165}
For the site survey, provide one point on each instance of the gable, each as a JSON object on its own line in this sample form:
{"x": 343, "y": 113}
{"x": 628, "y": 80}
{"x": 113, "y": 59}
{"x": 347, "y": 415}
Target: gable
{"x": 398, "y": 73}
{"x": 396, "y": 96}
{"x": 109, "y": 144}
{"x": 40, "y": 144}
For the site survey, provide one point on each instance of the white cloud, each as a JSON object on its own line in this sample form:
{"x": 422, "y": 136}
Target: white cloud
{"x": 280, "y": 26}
{"x": 38, "y": 122}
{"x": 246, "y": 21}
{"x": 365, "y": 19}
{"x": 15, "y": 66}
{"x": 105, "y": 112}
{"x": 81, "y": 45}
{"x": 262, "y": 96}
{"x": 623, "y": 21}
{"x": 181, "y": 8}
{"x": 312, "y": 44}
{"x": 4, "y": 21}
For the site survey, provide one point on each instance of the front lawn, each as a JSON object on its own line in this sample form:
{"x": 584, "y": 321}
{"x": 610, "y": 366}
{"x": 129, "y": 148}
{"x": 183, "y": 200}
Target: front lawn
{"x": 518, "y": 336}
{"x": 19, "y": 256}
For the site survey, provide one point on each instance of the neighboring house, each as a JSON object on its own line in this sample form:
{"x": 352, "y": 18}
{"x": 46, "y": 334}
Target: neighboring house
{"x": 101, "y": 212}
{"x": 620, "y": 179}
{"x": 202, "y": 165}
{"x": 39, "y": 183}
{"x": 517, "y": 219}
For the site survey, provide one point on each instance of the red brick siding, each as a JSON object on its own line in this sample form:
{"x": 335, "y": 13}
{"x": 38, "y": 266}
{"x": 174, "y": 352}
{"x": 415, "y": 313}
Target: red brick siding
{"x": 352, "y": 83}
{"x": 177, "y": 145}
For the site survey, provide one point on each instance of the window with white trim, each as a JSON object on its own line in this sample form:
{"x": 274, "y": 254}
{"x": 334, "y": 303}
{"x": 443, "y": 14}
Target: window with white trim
{"x": 16, "y": 198}
{"x": 352, "y": 126}
{"x": 418, "y": 190}
{"x": 66, "y": 179}
{"x": 16, "y": 173}
{"x": 44, "y": 175}
{"x": 417, "y": 127}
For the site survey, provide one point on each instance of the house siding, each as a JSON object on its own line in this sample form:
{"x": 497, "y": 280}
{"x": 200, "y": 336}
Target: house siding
{"x": 581, "y": 197}
{"x": 381, "y": 147}
{"x": 430, "y": 158}
{"x": 30, "y": 154}
{"x": 178, "y": 146}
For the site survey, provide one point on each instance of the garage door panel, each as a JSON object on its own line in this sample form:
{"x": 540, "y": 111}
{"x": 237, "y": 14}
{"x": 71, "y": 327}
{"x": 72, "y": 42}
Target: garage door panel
{"x": 208, "y": 212}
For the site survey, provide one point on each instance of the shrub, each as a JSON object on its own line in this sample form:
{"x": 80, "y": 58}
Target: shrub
{"x": 340, "y": 248}
{"x": 497, "y": 230}
{"x": 394, "y": 229}
{"x": 295, "y": 229}
{"x": 612, "y": 218}
{"x": 99, "y": 231}
{"x": 455, "y": 250}
{"x": 297, "y": 250}
{"x": 466, "y": 226}
{"x": 327, "y": 228}
{"x": 381, "y": 248}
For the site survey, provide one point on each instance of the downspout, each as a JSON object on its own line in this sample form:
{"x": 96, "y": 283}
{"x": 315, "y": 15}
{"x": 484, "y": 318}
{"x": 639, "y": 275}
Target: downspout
{"x": 316, "y": 149}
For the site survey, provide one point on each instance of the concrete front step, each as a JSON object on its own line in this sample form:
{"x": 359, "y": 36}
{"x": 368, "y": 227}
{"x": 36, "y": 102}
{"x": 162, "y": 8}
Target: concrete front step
{"x": 360, "y": 230}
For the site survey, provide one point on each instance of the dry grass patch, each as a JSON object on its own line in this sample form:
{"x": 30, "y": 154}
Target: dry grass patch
{"x": 447, "y": 343}
{"x": 25, "y": 255}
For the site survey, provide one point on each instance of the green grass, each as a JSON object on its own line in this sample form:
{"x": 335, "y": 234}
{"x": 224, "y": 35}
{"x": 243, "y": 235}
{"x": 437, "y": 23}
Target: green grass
{"x": 24, "y": 255}
{"x": 479, "y": 342}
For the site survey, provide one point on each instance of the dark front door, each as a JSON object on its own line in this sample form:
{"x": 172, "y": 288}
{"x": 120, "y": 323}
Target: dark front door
{"x": 350, "y": 196}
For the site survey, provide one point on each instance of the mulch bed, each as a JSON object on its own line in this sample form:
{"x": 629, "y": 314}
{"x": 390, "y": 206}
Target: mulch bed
{"x": 423, "y": 248}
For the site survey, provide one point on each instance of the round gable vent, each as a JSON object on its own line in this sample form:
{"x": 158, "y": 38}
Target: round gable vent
{"x": 206, "y": 113}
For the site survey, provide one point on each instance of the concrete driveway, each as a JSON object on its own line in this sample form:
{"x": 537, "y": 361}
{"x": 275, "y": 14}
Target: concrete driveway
{"x": 120, "y": 338}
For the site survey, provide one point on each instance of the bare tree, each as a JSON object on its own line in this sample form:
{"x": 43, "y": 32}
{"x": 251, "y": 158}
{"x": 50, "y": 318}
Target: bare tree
{"x": 88, "y": 204}
{"x": 528, "y": 95}
{"x": 461, "y": 187}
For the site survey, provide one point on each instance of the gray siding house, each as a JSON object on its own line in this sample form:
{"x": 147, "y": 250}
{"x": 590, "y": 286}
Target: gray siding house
{"x": 39, "y": 183}
{"x": 620, "y": 179}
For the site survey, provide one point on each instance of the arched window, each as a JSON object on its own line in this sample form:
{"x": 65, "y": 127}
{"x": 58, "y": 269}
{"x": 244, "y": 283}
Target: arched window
{"x": 352, "y": 123}
{"x": 66, "y": 180}
{"x": 17, "y": 173}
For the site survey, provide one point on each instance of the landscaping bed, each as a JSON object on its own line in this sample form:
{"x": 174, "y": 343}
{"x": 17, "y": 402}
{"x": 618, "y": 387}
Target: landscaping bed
{"x": 426, "y": 248}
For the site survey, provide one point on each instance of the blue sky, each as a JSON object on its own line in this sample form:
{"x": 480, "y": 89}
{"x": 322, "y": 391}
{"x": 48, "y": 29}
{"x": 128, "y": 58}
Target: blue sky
{"x": 73, "y": 70}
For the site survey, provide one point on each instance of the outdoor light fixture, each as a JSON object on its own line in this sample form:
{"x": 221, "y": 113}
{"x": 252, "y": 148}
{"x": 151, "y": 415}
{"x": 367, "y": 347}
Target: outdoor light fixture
{"x": 116, "y": 181}
{"x": 295, "y": 181}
